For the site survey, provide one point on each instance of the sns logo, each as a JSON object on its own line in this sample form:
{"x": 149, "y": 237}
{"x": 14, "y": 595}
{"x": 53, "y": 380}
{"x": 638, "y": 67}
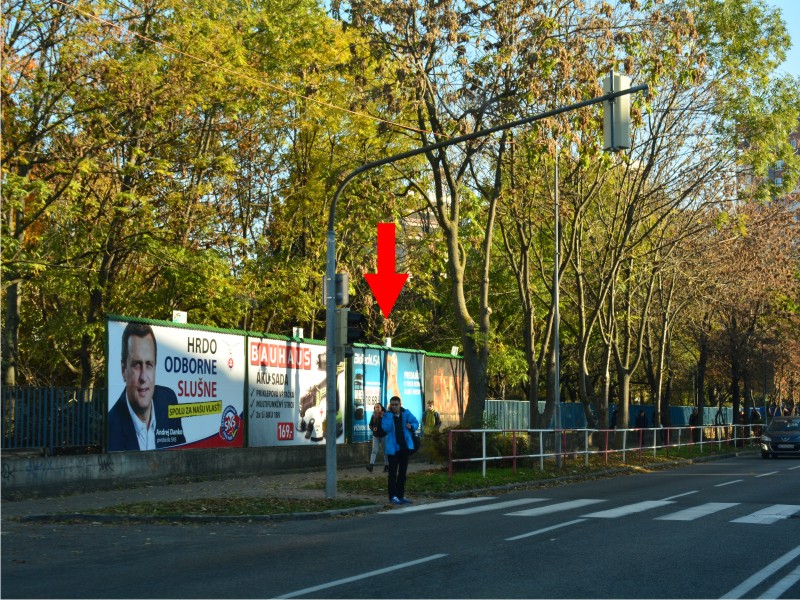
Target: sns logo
{"x": 229, "y": 426}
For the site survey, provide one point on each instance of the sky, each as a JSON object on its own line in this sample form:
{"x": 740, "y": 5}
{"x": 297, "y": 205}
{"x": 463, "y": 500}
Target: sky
{"x": 790, "y": 10}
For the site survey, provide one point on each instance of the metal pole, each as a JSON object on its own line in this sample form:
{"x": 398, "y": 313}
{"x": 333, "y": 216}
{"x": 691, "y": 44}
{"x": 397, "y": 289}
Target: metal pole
{"x": 556, "y": 320}
{"x": 330, "y": 371}
{"x": 330, "y": 268}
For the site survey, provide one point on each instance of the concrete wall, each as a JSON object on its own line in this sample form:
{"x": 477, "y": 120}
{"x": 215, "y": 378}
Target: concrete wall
{"x": 27, "y": 476}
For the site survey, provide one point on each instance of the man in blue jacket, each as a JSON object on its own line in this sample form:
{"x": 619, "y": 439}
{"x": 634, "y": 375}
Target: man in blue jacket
{"x": 398, "y": 423}
{"x": 139, "y": 419}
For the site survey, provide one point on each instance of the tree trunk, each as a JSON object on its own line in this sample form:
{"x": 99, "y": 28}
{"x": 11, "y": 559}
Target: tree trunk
{"x": 11, "y": 334}
{"x": 624, "y": 381}
{"x": 700, "y": 381}
{"x": 533, "y": 372}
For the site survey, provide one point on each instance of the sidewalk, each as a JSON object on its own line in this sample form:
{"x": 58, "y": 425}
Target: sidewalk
{"x": 278, "y": 485}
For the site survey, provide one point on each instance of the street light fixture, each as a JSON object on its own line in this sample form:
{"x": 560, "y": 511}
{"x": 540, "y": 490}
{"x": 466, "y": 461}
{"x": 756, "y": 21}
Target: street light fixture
{"x": 330, "y": 269}
{"x": 616, "y": 137}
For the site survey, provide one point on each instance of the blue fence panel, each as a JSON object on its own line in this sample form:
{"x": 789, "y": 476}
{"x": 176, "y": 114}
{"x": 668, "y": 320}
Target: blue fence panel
{"x": 507, "y": 414}
{"x": 515, "y": 414}
{"x": 52, "y": 418}
{"x": 679, "y": 415}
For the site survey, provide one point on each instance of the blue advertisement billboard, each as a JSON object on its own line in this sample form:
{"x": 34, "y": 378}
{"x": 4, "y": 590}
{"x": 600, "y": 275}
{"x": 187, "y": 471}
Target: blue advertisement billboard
{"x": 379, "y": 374}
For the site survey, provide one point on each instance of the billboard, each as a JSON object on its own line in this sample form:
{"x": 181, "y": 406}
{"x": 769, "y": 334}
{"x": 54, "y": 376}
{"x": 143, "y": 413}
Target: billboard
{"x": 446, "y": 385}
{"x": 171, "y": 387}
{"x": 286, "y": 391}
{"x": 379, "y": 374}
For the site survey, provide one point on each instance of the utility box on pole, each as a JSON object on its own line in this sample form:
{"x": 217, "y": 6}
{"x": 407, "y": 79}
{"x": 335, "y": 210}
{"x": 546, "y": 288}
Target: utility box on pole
{"x": 341, "y": 293}
{"x": 617, "y": 114}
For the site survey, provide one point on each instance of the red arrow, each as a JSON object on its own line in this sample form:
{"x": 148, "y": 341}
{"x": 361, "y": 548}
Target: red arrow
{"x": 386, "y": 284}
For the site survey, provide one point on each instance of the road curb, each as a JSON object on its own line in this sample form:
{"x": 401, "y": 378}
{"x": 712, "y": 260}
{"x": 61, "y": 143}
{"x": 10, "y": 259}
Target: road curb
{"x": 101, "y": 519}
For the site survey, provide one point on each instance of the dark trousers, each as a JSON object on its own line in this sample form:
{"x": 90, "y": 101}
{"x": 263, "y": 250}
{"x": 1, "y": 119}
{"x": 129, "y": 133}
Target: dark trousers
{"x": 398, "y": 465}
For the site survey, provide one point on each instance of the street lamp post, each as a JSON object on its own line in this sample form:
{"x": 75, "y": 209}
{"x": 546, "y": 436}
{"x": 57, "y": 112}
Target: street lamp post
{"x": 556, "y": 317}
{"x": 330, "y": 269}
{"x": 616, "y": 137}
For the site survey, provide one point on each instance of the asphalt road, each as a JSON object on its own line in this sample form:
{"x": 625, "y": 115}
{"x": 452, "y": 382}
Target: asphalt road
{"x": 727, "y": 528}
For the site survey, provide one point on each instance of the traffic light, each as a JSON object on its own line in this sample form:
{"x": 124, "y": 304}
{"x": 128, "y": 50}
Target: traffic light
{"x": 349, "y": 329}
{"x": 617, "y": 114}
{"x": 355, "y": 327}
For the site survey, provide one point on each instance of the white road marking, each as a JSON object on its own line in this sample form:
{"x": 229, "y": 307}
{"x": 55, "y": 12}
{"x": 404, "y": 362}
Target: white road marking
{"x": 325, "y": 586}
{"x": 434, "y": 505}
{"x": 681, "y": 495}
{"x": 545, "y": 530}
{"x": 784, "y": 584}
{"x": 546, "y": 510}
{"x": 766, "y": 474}
{"x": 729, "y": 482}
{"x": 629, "y": 509}
{"x": 493, "y": 506}
{"x": 690, "y": 514}
{"x": 767, "y": 516}
{"x": 752, "y": 581}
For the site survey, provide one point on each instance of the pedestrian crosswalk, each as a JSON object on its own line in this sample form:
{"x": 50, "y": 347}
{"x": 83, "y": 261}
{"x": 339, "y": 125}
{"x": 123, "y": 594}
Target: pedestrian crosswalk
{"x": 629, "y": 509}
{"x": 695, "y": 512}
{"x": 770, "y": 515}
{"x": 546, "y": 506}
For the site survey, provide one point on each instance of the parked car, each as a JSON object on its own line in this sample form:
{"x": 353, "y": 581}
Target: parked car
{"x": 781, "y": 438}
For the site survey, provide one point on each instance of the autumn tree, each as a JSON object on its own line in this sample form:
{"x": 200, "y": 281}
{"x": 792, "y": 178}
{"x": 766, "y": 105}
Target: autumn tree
{"x": 147, "y": 161}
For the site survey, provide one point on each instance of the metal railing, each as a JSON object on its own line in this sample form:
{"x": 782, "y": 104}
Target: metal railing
{"x": 53, "y": 420}
{"x": 602, "y": 442}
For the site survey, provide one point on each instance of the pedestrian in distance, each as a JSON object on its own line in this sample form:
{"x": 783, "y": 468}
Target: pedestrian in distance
{"x": 694, "y": 419}
{"x": 398, "y": 423}
{"x": 378, "y": 438}
{"x": 431, "y": 421}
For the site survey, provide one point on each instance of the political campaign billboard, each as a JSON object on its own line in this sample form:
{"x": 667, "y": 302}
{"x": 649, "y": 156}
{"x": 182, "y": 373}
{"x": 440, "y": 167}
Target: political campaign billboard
{"x": 173, "y": 387}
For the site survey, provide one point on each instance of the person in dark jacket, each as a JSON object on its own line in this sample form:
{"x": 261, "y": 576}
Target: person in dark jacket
{"x": 398, "y": 423}
{"x": 139, "y": 419}
{"x": 378, "y": 438}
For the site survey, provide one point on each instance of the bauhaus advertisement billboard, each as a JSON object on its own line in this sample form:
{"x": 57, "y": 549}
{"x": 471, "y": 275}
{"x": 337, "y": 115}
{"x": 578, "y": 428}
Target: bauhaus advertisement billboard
{"x": 287, "y": 391}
